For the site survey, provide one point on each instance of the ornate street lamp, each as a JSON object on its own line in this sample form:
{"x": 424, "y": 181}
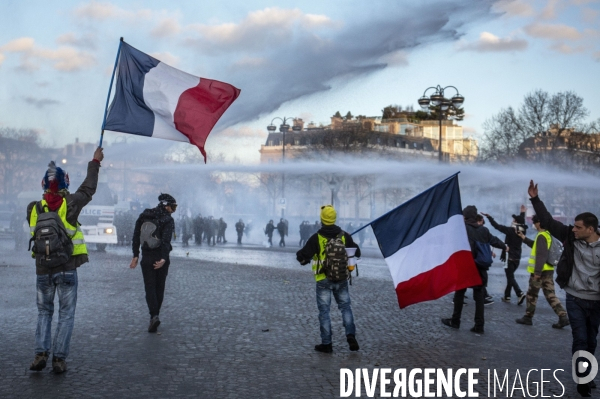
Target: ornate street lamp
{"x": 283, "y": 128}
{"x": 444, "y": 105}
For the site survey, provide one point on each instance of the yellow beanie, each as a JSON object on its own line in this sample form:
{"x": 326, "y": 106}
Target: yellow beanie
{"x": 328, "y": 215}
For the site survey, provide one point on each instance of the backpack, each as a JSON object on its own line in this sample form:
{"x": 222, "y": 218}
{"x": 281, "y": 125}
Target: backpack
{"x": 554, "y": 252}
{"x": 52, "y": 245}
{"x": 335, "y": 265}
{"x": 147, "y": 235}
{"x": 484, "y": 254}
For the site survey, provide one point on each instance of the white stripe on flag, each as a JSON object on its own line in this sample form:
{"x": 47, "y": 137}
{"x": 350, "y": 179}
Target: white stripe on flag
{"x": 430, "y": 250}
{"x": 163, "y": 85}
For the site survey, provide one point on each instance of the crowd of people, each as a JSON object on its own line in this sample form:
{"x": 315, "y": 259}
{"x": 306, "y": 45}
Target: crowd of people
{"x": 59, "y": 249}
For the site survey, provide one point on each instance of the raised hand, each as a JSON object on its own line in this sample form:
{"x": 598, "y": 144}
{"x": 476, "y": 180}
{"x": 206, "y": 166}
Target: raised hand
{"x": 532, "y": 190}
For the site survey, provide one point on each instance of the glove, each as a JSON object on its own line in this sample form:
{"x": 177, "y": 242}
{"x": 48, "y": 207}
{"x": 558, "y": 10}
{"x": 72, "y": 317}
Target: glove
{"x": 503, "y": 256}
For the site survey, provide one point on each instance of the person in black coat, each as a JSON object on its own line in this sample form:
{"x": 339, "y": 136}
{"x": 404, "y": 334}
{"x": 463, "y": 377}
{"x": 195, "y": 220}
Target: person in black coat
{"x": 514, "y": 242}
{"x": 477, "y": 235}
{"x": 269, "y": 228}
{"x": 155, "y": 261}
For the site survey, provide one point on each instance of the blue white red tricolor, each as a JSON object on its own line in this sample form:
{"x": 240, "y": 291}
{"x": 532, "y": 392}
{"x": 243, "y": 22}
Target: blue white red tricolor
{"x": 424, "y": 242}
{"x": 156, "y": 100}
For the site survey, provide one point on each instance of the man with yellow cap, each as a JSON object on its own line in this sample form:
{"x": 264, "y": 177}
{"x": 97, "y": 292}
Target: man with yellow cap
{"x": 315, "y": 250}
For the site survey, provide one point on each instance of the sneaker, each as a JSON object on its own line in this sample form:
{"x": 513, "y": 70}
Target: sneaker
{"x": 489, "y": 297}
{"x": 525, "y": 320}
{"x": 59, "y": 365}
{"x": 522, "y": 298}
{"x": 477, "y": 330}
{"x": 488, "y": 301}
{"x": 352, "y": 343}
{"x": 584, "y": 390}
{"x": 324, "y": 348}
{"x": 449, "y": 323}
{"x": 154, "y": 323}
{"x": 39, "y": 362}
{"x": 562, "y": 322}
{"x": 505, "y": 299}
{"x": 464, "y": 302}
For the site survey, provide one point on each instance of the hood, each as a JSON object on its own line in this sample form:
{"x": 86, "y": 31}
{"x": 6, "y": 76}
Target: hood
{"x": 470, "y": 214}
{"x": 330, "y": 231}
{"x": 154, "y": 213}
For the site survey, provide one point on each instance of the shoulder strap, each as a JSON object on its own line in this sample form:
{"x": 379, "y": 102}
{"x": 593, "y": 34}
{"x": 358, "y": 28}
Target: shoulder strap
{"x": 39, "y": 207}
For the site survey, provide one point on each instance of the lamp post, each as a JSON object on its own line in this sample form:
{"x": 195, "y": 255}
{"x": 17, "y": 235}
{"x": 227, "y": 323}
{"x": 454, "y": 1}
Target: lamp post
{"x": 283, "y": 128}
{"x": 445, "y": 105}
{"x": 332, "y": 186}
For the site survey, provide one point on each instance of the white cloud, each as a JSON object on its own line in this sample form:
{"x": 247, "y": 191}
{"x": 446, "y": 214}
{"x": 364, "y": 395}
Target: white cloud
{"x": 2, "y": 58}
{"x": 63, "y": 58}
{"x": 597, "y": 56}
{"x": 489, "y": 42}
{"x": 513, "y": 8}
{"x": 86, "y": 41}
{"x": 244, "y": 132}
{"x": 589, "y": 15}
{"x": 551, "y": 9}
{"x": 553, "y": 31}
{"x": 167, "y": 58}
{"x": 40, "y": 102}
{"x": 249, "y": 62}
{"x": 166, "y": 27}
{"x": 101, "y": 11}
{"x": 566, "y": 49}
{"x": 397, "y": 58}
{"x": 259, "y": 30}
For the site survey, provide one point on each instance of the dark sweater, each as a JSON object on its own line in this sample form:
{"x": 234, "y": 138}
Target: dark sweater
{"x": 513, "y": 241}
{"x": 164, "y": 232}
{"x": 312, "y": 248}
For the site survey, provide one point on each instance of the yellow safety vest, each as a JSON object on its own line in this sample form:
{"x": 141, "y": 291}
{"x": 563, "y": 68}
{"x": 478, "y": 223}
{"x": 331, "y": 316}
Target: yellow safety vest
{"x": 318, "y": 259}
{"x": 74, "y": 232}
{"x": 531, "y": 263}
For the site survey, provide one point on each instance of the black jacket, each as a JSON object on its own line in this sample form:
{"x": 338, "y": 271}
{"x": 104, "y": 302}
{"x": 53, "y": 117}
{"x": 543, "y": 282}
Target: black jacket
{"x": 479, "y": 233}
{"x": 311, "y": 248}
{"x": 565, "y": 234}
{"x": 164, "y": 232}
{"x": 513, "y": 241}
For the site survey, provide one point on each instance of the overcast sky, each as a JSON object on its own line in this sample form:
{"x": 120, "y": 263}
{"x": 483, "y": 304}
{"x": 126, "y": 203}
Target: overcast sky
{"x": 295, "y": 58}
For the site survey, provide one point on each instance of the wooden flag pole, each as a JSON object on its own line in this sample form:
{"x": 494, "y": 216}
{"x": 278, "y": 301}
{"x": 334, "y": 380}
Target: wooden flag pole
{"x": 109, "y": 90}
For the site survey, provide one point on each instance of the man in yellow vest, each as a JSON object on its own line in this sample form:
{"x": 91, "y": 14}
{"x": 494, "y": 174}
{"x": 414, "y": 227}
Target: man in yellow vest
{"x": 315, "y": 250}
{"x": 61, "y": 279}
{"x": 541, "y": 276}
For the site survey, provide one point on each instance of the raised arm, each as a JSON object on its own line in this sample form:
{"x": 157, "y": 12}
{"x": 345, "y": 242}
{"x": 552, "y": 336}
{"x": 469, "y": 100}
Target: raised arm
{"x": 556, "y": 228}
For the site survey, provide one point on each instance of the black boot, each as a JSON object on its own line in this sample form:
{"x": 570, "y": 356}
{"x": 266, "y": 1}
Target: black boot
{"x": 352, "y": 342}
{"x": 324, "y": 348}
{"x": 449, "y": 323}
{"x": 525, "y": 320}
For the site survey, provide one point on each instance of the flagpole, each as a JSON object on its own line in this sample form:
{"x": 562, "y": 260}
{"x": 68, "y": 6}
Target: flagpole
{"x": 387, "y": 213}
{"x": 109, "y": 90}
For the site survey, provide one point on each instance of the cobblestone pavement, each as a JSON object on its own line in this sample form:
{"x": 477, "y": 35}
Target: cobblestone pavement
{"x": 247, "y": 330}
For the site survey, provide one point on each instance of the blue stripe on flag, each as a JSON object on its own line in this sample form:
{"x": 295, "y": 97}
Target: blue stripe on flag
{"x": 403, "y": 225}
{"x": 128, "y": 112}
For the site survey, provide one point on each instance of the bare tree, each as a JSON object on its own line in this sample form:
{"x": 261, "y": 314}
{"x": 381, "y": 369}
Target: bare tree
{"x": 20, "y": 161}
{"x": 505, "y": 131}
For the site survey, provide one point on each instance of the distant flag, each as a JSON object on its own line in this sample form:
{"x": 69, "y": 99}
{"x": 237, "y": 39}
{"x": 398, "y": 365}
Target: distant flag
{"x": 424, "y": 242}
{"x": 155, "y": 100}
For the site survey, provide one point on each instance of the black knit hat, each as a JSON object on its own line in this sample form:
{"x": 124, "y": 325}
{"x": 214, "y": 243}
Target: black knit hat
{"x": 519, "y": 219}
{"x": 470, "y": 212}
{"x": 166, "y": 199}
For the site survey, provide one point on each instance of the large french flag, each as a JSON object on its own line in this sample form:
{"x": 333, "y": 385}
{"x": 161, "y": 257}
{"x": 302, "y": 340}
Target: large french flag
{"x": 424, "y": 242}
{"x": 155, "y": 100}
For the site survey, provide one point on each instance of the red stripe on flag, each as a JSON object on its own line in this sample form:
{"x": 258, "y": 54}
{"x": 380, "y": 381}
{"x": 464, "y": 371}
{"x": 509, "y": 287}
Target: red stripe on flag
{"x": 458, "y": 272}
{"x": 200, "y": 107}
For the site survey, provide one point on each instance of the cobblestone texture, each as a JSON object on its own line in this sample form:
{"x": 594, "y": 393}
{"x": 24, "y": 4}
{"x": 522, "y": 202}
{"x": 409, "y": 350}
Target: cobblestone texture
{"x": 213, "y": 343}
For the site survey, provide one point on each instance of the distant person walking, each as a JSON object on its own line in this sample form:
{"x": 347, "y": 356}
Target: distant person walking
{"x": 282, "y": 230}
{"x": 269, "y": 228}
{"x": 239, "y": 229}
{"x": 153, "y": 231}
{"x": 61, "y": 209}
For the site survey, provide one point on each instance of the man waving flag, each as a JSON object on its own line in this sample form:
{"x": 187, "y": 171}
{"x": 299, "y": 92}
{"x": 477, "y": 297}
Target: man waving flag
{"x": 424, "y": 242}
{"x": 155, "y": 100}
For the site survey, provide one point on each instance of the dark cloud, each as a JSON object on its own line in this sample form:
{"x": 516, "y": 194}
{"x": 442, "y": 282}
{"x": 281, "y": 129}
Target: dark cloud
{"x": 276, "y": 63}
{"x": 40, "y": 102}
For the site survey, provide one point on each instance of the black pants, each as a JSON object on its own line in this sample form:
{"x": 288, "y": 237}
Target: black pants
{"x": 282, "y": 241}
{"x": 511, "y": 282}
{"x": 270, "y": 239}
{"x": 478, "y": 296}
{"x": 154, "y": 283}
{"x": 240, "y": 237}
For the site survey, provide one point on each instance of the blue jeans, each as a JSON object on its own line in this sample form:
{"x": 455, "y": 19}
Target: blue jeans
{"x": 66, "y": 285}
{"x": 584, "y": 316}
{"x": 342, "y": 297}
